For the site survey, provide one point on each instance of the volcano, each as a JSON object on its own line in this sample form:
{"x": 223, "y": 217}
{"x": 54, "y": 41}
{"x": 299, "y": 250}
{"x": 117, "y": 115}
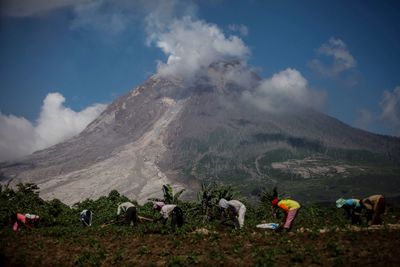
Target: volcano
{"x": 168, "y": 130}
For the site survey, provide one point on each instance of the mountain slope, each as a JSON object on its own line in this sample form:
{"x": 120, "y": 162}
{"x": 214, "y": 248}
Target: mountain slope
{"x": 169, "y": 131}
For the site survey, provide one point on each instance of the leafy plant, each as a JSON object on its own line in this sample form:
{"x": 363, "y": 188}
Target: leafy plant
{"x": 169, "y": 196}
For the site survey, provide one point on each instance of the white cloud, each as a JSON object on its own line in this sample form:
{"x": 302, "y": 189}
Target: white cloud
{"x": 342, "y": 59}
{"x": 390, "y": 105}
{"x": 283, "y": 91}
{"x": 56, "y": 123}
{"x": 191, "y": 45}
{"x": 240, "y": 28}
{"x": 17, "y": 137}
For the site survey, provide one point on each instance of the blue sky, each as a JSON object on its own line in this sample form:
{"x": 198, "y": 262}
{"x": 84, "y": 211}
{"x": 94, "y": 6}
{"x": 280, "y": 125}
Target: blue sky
{"x": 93, "y": 51}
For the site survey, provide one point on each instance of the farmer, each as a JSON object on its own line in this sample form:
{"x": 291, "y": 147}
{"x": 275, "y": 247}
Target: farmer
{"x": 167, "y": 210}
{"x": 375, "y": 206}
{"x": 26, "y": 219}
{"x": 130, "y": 213}
{"x": 289, "y": 207}
{"x": 236, "y": 210}
{"x": 86, "y": 217}
{"x": 352, "y": 208}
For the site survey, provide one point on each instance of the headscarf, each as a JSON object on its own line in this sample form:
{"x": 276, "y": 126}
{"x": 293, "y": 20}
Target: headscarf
{"x": 274, "y": 201}
{"x": 223, "y": 203}
{"x": 340, "y": 202}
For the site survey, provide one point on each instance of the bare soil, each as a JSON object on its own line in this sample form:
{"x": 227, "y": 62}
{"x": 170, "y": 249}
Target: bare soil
{"x": 127, "y": 247}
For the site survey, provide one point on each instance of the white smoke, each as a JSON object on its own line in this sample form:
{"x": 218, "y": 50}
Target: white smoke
{"x": 283, "y": 91}
{"x": 191, "y": 45}
{"x": 56, "y": 123}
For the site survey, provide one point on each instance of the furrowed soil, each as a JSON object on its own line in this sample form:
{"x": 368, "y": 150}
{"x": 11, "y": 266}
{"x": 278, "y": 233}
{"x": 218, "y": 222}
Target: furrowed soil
{"x": 125, "y": 246}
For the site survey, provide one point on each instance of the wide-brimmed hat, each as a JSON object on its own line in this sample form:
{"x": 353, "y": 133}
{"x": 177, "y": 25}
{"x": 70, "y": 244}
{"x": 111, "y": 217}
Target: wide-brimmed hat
{"x": 340, "y": 202}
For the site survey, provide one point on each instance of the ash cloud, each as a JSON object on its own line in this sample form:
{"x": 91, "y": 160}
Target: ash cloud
{"x": 56, "y": 123}
{"x": 191, "y": 45}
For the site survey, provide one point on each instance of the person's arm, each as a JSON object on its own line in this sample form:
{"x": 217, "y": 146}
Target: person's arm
{"x": 163, "y": 217}
{"x": 27, "y": 224}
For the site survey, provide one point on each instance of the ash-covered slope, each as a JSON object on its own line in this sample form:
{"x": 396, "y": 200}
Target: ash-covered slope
{"x": 168, "y": 131}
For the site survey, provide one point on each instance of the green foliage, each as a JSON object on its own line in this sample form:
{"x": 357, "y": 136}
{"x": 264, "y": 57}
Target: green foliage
{"x": 209, "y": 196}
{"x": 169, "y": 196}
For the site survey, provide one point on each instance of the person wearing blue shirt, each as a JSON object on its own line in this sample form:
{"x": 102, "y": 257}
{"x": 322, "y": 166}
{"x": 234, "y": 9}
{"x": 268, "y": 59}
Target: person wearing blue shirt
{"x": 352, "y": 207}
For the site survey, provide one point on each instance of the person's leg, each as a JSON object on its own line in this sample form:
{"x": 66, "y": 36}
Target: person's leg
{"x": 242, "y": 212}
{"x": 134, "y": 216}
{"x": 380, "y": 209}
{"x": 179, "y": 217}
{"x": 128, "y": 216}
{"x": 174, "y": 219}
{"x": 291, "y": 215}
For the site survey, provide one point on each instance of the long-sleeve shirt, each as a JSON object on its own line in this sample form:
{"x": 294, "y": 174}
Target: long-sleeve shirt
{"x": 288, "y": 204}
{"x": 124, "y": 206}
{"x": 166, "y": 210}
{"x": 236, "y": 205}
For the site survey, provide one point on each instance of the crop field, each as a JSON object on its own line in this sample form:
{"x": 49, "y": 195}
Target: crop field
{"x": 322, "y": 236}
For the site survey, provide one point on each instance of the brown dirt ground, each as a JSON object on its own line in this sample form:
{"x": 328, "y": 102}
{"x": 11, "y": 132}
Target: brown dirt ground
{"x": 258, "y": 248}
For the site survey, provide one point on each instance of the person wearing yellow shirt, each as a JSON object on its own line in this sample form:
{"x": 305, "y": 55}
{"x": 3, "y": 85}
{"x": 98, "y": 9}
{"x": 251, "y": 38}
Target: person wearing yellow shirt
{"x": 289, "y": 207}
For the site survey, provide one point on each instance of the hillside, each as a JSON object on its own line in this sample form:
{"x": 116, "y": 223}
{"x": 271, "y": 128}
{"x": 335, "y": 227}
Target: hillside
{"x": 170, "y": 131}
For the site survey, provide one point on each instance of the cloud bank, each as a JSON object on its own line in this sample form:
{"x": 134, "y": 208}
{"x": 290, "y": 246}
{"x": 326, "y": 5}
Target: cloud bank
{"x": 338, "y": 53}
{"x": 56, "y": 123}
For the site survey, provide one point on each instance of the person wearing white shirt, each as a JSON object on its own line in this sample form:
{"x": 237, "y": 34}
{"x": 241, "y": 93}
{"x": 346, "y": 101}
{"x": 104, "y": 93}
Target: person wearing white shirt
{"x": 130, "y": 212}
{"x": 237, "y": 210}
{"x": 167, "y": 210}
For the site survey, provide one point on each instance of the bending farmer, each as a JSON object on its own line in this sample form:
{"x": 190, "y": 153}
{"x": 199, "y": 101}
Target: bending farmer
{"x": 375, "y": 206}
{"x": 86, "y": 217}
{"x": 289, "y": 207}
{"x": 27, "y": 220}
{"x": 236, "y": 210}
{"x": 352, "y": 207}
{"x": 167, "y": 210}
{"x": 130, "y": 213}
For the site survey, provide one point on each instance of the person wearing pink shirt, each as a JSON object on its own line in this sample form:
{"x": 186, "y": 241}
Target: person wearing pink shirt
{"x": 23, "y": 219}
